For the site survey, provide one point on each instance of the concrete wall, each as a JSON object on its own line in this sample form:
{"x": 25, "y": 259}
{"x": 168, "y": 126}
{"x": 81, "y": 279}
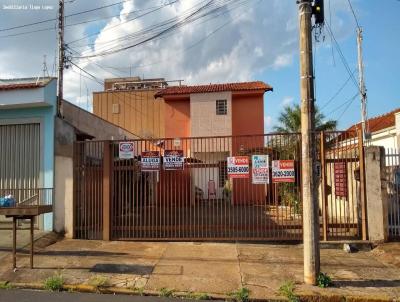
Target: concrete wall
{"x": 203, "y": 117}
{"x": 377, "y": 203}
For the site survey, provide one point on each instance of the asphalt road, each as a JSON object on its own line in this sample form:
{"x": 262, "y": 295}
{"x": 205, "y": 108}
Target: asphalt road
{"x": 42, "y": 296}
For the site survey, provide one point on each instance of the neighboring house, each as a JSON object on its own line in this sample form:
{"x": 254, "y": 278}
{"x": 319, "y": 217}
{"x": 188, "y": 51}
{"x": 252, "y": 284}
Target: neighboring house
{"x": 36, "y": 146}
{"x": 129, "y": 103}
{"x": 384, "y": 130}
{"x": 27, "y": 112}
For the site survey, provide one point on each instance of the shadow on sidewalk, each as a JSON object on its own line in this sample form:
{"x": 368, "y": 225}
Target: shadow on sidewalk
{"x": 368, "y": 283}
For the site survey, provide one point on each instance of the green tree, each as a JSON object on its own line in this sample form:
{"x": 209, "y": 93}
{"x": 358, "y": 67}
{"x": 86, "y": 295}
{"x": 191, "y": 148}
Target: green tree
{"x": 290, "y": 120}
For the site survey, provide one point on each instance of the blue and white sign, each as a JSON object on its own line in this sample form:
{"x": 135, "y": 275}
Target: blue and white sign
{"x": 260, "y": 169}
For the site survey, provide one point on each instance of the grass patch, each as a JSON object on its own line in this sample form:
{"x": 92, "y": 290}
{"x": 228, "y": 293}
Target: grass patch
{"x": 198, "y": 296}
{"x": 287, "y": 290}
{"x": 324, "y": 280}
{"x": 166, "y": 292}
{"x": 5, "y": 285}
{"x": 54, "y": 283}
{"x": 241, "y": 295}
{"x": 138, "y": 290}
{"x": 98, "y": 281}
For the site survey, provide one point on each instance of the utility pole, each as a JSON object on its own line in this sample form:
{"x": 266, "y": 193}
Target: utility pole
{"x": 363, "y": 91}
{"x": 60, "y": 57}
{"x": 308, "y": 150}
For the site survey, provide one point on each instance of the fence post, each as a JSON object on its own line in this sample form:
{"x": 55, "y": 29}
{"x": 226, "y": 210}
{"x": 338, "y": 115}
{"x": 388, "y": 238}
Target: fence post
{"x": 363, "y": 199}
{"x": 106, "y": 189}
{"x": 323, "y": 188}
{"x": 377, "y": 201}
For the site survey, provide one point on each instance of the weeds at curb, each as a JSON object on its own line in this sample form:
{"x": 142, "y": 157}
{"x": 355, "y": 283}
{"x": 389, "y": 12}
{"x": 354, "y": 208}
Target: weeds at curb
{"x": 5, "y": 285}
{"x": 99, "y": 281}
{"x": 167, "y": 293}
{"x": 324, "y": 280}
{"x": 54, "y": 283}
{"x": 138, "y": 290}
{"x": 241, "y": 295}
{"x": 287, "y": 290}
{"x": 197, "y": 296}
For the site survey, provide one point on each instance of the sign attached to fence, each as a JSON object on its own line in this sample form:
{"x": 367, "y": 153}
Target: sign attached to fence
{"x": 283, "y": 171}
{"x": 150, "y": 161}
{"x": 173, "y": 160}
{"x": 259, "y": 170}
{"x": 238, "y": 167}
{"x": 126, "y": 150}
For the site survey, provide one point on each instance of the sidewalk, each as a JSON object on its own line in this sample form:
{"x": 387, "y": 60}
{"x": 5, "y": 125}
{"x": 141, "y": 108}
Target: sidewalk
{"x": 213, "y": 268}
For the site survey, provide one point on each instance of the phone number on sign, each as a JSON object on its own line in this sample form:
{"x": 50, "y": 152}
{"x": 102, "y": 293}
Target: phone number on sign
{"x": 277, "y": 174}
{"x": 233, "y": 170}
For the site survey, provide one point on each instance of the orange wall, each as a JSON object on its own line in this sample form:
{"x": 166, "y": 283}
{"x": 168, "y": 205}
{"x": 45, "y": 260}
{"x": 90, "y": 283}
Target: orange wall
{"x": 177, "y": 117}
{"x": 247, "y": 114}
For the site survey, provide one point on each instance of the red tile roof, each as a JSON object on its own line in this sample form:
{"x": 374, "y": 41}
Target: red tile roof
{"x": 244, "y": 86}
{"x": 21, "y": 86}
{"x": 378, "y": 123}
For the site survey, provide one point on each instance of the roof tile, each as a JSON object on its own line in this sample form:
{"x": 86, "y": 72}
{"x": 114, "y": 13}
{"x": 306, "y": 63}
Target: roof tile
{"x": 243, "y": 86}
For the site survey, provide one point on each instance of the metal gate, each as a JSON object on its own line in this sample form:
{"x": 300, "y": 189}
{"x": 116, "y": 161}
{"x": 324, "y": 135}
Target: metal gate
{"x": 199, "y": 198}
{"x": 392, "y": 161}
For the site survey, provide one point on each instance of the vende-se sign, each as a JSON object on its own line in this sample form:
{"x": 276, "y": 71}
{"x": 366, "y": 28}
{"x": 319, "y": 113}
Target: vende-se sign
{"x": 238, "y": 166}
{"x": 126, "y": 150}
{"x": 173, "y": 160}
{"x": 283, "y": 171}
{"x": 260, "y": 170}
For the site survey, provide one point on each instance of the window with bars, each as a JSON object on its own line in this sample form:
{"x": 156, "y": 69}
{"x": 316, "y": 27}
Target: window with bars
{"x": 341, "y": 189}
{"x": 221, "y": 107}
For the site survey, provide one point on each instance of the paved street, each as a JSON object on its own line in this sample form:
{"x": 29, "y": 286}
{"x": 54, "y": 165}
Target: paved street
{"x": 41, "y": 296}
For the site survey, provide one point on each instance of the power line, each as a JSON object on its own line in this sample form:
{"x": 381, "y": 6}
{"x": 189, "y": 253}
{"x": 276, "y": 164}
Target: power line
{"x": 354, "y": 14}
{"x": 338, "y": 91}
{"x": 119, "y": 24}
{"x": 341, "y": 55}
{"x": 347, "y": 107}
{"x": 176, "y": 25}
{"x": 189, "y": 47}
{"x": 71, "y": 15}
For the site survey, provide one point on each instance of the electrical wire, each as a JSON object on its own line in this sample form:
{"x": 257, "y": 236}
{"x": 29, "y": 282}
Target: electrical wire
{"x": 173, "y": 27}
{"x": 354, "y": 14}
{"x": 337, "y": 92}
{"x": 341, "y": 55}
{"x": 67, "y": 16}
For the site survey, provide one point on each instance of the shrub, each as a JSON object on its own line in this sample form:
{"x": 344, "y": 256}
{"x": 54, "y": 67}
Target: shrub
{"x": 324, "y": 280}
{"x": 287, "y": 290}
{"x": 241, "y": 295}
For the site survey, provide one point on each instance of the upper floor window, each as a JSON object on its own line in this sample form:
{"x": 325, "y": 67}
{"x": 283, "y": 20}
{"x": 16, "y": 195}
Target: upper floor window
{"x": 221, "y": 107}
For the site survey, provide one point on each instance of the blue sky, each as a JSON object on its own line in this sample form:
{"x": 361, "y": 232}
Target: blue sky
{"x": 381, "y": 25}
{"x": 259, "y": 43}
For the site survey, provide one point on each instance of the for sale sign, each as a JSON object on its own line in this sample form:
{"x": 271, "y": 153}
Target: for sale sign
{"x": 283, "y": 171}
{"x": 259, "y": 170}
{"x": 126, "y": 150}
{"x": 150, "y": 161}
{"x": 173, "y": 160}
{"x": 238, "y": 167}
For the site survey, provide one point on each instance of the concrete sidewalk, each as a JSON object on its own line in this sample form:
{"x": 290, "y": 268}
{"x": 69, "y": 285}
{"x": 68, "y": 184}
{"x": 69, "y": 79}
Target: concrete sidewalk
{"x": 214, "y": 268}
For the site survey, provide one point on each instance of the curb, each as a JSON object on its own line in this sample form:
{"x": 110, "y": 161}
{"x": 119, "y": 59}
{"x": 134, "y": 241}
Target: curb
{"x": 304, "y": 296}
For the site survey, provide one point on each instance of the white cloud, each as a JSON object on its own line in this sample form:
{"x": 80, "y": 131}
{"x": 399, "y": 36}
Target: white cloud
{"x": 259, "y": 36}
{"x": 267, "y": 123}
{"x": 287, "y": 100}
